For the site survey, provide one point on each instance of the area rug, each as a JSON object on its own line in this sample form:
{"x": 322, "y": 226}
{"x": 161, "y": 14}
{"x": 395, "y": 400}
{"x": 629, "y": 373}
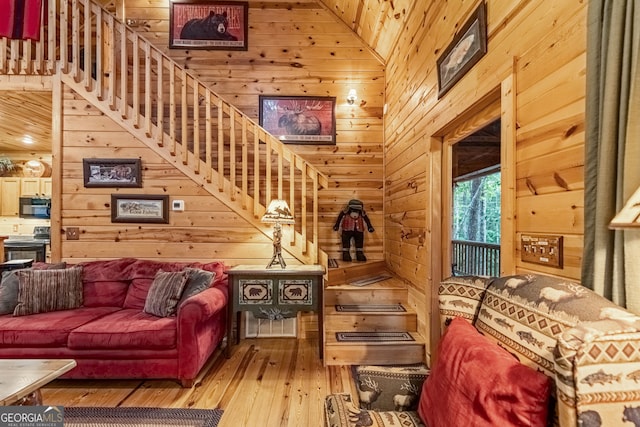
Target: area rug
{"x": 140, "y": 417}
{"x": 373, "y": 336}
{"x": 359, "y": 308}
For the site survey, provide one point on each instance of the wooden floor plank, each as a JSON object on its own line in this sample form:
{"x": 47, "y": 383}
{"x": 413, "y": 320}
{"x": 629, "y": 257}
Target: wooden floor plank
{"x": 267, "y": 381}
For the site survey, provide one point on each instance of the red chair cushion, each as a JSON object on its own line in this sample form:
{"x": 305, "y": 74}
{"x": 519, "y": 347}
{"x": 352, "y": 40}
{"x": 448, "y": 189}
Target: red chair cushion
{"x": 476, "y": 383}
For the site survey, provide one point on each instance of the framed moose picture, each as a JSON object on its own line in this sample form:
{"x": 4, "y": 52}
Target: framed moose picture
{"x": 205, "y": 24}
{"x": 299, "y": 119}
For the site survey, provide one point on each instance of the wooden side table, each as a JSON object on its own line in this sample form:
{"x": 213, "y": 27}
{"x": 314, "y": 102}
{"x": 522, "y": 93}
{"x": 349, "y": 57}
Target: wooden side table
{"x": 274, "y": 293}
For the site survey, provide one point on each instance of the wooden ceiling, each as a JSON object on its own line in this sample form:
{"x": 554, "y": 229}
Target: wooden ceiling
{"x": 25, "y": 116}
{"x": 379, "y": 23}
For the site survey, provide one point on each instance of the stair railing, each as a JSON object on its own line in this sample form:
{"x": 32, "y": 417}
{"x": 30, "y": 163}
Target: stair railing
{"x": 172, "y": 112}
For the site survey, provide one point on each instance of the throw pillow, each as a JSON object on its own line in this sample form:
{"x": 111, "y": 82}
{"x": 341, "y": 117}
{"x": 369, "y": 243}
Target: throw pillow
{"x": 8, "y": 291}
{"x": 475, "y": 382}
{"x": 165, "y": 292}
{"x": 41, "y": 291}
{"x": 9, "y": 285}
{"x": 198, "y": 280}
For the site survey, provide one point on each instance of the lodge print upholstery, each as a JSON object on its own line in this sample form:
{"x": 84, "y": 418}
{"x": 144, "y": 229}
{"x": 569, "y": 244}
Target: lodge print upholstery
{"x": 588, "y": 344}
{"x": 461, "y": 297}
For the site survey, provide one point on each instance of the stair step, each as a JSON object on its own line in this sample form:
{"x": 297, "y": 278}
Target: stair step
{"x": 369, "y": 320}
{"x": 389, "y": 291}
{"x": 374, "y": 353}
{"x": 348, "y": 272}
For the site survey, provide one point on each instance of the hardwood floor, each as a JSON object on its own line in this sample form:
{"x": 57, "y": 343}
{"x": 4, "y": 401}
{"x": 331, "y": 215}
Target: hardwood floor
{"x": 267, "y": 382}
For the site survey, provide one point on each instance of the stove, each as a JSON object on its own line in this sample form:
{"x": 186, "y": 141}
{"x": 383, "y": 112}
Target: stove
{"x": 30, "y": 246}
{"x": 42, "y": 232}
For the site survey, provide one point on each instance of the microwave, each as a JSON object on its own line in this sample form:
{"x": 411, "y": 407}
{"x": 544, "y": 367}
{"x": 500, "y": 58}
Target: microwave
{"x": 35, "y": 207}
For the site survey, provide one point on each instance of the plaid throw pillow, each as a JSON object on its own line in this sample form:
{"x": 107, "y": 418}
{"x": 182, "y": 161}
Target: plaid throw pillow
{"x": 165, "y": 292}
{"x": 41, "y": 291}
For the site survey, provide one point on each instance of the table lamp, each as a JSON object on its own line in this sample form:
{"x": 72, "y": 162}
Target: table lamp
{"x": 629, "y": 216}
{"x": 277, "y": 213}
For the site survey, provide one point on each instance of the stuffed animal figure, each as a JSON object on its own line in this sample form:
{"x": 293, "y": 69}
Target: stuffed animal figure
{"x": 352, "y": 219}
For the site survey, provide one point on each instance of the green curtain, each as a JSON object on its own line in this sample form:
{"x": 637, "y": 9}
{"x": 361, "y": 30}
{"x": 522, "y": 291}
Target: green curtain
{"x": 612, "y": 149}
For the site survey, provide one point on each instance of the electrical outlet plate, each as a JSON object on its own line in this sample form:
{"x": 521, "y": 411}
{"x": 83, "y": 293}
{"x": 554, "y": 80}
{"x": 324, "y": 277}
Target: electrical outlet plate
{"x": 541, "y": 249}
{"x": 73, "y": 233}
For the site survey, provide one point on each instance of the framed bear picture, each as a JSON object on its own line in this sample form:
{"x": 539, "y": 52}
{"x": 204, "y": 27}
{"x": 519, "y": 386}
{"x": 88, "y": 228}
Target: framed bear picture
{"x": 221, "y": 25}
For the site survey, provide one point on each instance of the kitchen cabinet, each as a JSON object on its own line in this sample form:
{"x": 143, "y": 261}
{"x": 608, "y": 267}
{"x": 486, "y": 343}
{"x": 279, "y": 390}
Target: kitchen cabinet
{"x": 45, "y": 186}
{"x": 29, "y": 186}
{"x": 10, "y": 197}
{"x": 12, "y": 188}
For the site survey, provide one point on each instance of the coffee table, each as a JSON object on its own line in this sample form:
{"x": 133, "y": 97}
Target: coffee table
{"x": 21, "y": 379}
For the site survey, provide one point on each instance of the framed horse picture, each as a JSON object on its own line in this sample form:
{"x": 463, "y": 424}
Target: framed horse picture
{"x": 221, "y": 25}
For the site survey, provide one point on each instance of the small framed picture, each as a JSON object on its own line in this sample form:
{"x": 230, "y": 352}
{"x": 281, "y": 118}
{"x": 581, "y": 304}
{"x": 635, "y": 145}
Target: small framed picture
{"x": 466, "y": 49}
{"x": 221, "y": 25}
{"x": 299, "y": 119}
{"x": 140, "y": 208}
{"x": 112, "y": 172}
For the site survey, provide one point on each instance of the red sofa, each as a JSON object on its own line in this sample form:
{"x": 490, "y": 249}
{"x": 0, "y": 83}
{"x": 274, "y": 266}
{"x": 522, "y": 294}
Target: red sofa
{"x": 110, "y": 336}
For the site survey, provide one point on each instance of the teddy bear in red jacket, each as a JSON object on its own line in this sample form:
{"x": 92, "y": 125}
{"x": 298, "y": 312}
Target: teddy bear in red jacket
{"x": 352, "y": 220}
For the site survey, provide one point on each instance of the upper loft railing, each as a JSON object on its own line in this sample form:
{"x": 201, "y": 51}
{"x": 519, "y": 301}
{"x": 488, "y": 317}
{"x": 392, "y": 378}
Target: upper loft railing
{"x": 167, "y": 108}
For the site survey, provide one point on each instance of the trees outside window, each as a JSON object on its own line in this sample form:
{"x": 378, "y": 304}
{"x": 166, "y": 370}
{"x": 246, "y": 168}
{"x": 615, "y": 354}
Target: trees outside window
{"x": 476, "y": 209}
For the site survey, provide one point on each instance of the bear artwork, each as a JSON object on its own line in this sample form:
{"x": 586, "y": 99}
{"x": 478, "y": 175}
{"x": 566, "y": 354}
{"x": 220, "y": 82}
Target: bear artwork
{"x": 352, "y": 220}
{"x": 213, "y": 27}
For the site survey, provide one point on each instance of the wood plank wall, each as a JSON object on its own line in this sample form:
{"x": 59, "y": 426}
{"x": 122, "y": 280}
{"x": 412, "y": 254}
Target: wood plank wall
{"x": 298, "y": 48}
{"x": 206, "y": 230}
{"x": 546, "y": 41}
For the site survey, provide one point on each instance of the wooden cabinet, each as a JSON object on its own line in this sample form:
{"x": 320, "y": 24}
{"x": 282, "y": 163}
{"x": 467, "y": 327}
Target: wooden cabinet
{"x": 45, "y": 186}
{"x": 29, "y": 186}
{"x": 35, "y": 186}
{"x": 274, "y": 294}
{"x": 12, "y": 188}
{"x": 10, "y": 196}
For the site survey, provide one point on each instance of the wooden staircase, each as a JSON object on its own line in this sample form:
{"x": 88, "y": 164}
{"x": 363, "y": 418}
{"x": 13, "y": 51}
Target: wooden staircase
{"x": 391, "y": 291}
{"x": 167, "y": 108}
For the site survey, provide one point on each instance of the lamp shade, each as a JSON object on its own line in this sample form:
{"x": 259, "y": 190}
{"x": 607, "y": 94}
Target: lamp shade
{"x": 278, "y": 211}
{"x": 629, "y": 216}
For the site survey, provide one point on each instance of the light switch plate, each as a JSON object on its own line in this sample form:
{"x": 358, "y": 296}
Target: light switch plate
{"x": 177, "y": 205}
{"x": 541, "y": 249}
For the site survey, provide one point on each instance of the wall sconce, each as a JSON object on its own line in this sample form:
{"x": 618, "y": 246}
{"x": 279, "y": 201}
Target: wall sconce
{"x": 277, "y": 213}
{"x": 352, "y": 97}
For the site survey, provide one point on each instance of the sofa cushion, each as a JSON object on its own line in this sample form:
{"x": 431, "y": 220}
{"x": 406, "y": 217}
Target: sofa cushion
{"x": 41, "y": 291}
{"x": 46, "y": 329}
{"x": 528, "y": 313}
{"x": 460, "y": 296}
{"x": 198, "y": 281}
{"x": 475, "y": 382}
{"x": 164, "y": 293}
{"x": 142, "y": 272}
{"x": 389, "y": 388}
{"x": 105, "y": 282}
{"x": 126, "y": 329}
